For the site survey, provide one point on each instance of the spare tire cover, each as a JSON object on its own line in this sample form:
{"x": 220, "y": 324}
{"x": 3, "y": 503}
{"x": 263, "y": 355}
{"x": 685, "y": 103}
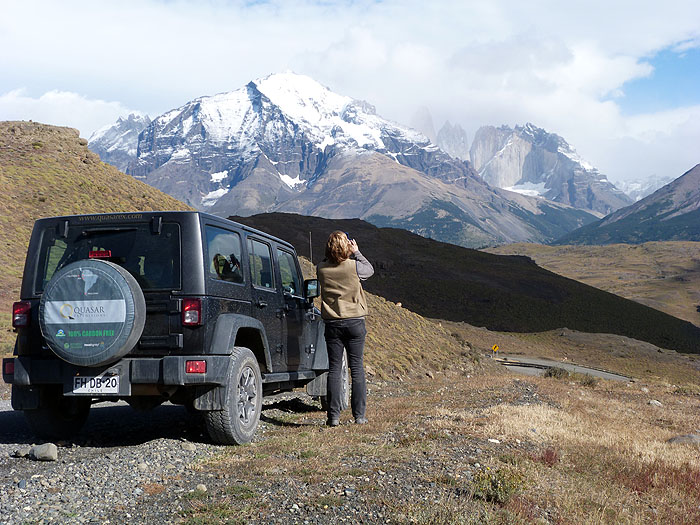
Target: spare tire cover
{"x": 92, "y": 312}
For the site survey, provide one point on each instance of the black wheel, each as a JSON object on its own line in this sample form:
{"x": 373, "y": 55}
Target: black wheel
{"x": 237, "y": 422}
{"x": 345, "y": 383}
{"x": 58, "y": 416}
{"x": 92, "y": 312}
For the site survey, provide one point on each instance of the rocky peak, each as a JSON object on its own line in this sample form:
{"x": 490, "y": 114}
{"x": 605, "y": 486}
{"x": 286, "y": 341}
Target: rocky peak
{"x": 530, "y": 160}
{"x": 117, "y": 143}
{"x": 453, "y": 140}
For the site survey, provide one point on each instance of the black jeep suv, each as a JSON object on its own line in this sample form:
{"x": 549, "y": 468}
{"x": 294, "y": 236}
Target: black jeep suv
{"x": 148, "y": 307}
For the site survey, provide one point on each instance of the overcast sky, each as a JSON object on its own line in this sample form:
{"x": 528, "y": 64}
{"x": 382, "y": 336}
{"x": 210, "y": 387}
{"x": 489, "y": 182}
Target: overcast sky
{"x": 619, "y": 80}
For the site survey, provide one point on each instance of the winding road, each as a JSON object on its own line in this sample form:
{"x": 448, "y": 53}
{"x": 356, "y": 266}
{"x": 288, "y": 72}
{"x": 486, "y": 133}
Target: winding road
{"x": 536, "y": 367}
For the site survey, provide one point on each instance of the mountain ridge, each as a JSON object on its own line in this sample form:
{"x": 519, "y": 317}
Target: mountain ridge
{"x": 671, "y": 213}
{"x": 271, "y": 145}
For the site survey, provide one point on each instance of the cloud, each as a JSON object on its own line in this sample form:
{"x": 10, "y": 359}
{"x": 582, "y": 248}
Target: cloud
{"x": 663, "y": 143}
{"x": 475, "y": 63}
{"x": 61, "y": 108}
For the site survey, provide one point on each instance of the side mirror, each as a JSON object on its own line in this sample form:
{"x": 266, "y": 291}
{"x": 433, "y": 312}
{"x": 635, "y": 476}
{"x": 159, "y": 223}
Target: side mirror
{"x": 311, "y": 289}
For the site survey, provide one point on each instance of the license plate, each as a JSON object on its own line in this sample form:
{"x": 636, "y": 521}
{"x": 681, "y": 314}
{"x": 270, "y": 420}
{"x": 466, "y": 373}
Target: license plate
{"x": 96, "y": 385}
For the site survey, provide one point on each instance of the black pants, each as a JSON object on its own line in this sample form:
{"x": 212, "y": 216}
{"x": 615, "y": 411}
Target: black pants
{"x": 349, "y": 334}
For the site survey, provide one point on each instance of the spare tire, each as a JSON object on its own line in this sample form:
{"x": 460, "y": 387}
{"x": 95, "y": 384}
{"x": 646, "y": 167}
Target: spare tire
{"x": 92, "y": 312}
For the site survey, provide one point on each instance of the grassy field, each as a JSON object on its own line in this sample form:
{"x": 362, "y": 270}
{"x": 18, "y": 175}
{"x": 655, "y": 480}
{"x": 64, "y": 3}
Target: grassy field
{"x": 663, "y": 275}
{"x": 485, "y": 447}
{"x": 458, "y": 439}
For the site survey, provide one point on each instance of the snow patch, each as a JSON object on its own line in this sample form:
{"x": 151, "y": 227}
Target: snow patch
{"x": 571, "y": 154}
{"x": 210, "y": 198}
{"x": 291, "y": 182}
{"x": 327, "y": 141}
{"x": 528, "y": 188}
{"x": 187, "y": 124}
{"x": 219, "y": 176}
{"x": 181, "y": 154}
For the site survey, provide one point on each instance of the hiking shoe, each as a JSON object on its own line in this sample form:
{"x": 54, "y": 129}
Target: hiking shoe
{"x": 361, "y": 421}
{"x": 332, "y": 423}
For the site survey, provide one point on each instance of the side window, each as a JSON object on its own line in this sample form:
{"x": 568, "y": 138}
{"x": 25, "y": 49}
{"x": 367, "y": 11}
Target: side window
{"x": 261, "y": 264}
{"x": 291, "y": 282}
{"x": 56, "y": 251}
{"x": 224, "y": 255}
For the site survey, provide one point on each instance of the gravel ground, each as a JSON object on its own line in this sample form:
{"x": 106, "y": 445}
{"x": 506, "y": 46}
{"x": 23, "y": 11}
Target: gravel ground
{"x": 145, "y": 467}
{"x": 105, "y": 476}
{"x": 125, "y": 465}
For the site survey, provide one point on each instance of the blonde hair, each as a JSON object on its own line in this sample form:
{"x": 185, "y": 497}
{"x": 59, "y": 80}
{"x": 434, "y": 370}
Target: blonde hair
{"x": 337, "y": 247}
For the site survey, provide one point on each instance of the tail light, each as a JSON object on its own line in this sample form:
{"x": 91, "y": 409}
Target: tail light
{"x": 191, "y": 312}
{"x": 196, "y": 367}
{"x": 100, "y": 254}
{"x": 21, "y": 314}
{"x": 8, "y": 367}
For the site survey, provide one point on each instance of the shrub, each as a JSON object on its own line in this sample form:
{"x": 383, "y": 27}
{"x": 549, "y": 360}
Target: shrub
{"x": 589, "y": 381}
{"x": 549, "y": 456}
{"x": 497, "y": 485}
{"x": 556, "y": 372}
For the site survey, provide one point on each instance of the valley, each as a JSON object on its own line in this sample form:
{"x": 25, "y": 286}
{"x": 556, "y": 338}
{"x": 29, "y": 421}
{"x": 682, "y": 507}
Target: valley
{"x": 662, "y": 275}
{"x": 453, "y": 436}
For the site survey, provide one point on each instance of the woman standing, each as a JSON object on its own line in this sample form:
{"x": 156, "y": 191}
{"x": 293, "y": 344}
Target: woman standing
{"x": 343, "y": 310}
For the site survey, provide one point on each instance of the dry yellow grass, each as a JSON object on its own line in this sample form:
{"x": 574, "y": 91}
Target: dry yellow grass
{"x": 585, "y": 455}
{"x": 613, "y": 447}
{"x": 47, "y": 171}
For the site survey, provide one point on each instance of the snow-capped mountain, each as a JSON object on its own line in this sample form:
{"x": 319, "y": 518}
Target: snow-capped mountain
{"x": 637, "y": 189}
{"x": 530, "y": 161}
{"x": 116, "y": 144}
{"x": 287, "y": 143}
{"x": 288, "y": 126}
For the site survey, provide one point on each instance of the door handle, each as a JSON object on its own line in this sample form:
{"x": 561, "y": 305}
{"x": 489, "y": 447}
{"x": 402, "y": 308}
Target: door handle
{"x": 260, "y": 304}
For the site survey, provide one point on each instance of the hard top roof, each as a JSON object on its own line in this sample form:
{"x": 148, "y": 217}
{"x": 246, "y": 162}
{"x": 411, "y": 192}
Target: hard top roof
{"x": 140, "y": 215}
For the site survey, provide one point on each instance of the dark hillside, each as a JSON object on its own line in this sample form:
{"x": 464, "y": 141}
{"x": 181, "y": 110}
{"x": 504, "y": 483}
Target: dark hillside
{"x": 504, "y": 293}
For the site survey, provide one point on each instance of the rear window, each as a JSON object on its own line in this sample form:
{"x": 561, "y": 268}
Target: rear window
{"x": 153, "y": 259}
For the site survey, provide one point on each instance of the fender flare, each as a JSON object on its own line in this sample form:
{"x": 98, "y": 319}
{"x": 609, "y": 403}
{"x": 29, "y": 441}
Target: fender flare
{"x": 226, "y": 332}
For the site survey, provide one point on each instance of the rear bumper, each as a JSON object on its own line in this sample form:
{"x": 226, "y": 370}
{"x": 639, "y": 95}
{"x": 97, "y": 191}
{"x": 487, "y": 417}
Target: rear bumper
{"x": 165, "y": 371}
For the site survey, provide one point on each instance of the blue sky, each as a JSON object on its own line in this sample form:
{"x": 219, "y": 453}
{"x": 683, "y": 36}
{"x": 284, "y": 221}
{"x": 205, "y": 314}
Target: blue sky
{"x": 674, "y": 82}
{"x": 618, "y": 80}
